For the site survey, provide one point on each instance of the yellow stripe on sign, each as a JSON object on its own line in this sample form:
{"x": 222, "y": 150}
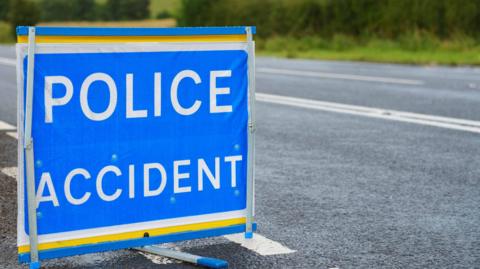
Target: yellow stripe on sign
{"x": 136, "y": 234}
{"x": 128, "y": 39}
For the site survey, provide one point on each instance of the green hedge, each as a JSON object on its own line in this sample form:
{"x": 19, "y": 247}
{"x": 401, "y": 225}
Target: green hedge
{"x": 377, "y": 18}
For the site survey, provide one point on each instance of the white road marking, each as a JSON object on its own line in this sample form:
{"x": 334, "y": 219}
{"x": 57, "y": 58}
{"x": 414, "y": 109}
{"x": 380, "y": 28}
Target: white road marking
{"x": 8, "y": 61}
{"x": 423, "y": 119}
{"x": 13, "y": 134}
{"x": 10, "y": 171}
{"x": 316, "y": 74}
{"x": 156, "y": 259}
{"x": 6, "y": 126}
{"x": 302, "y": 73}
{"x": 260, "y": 244}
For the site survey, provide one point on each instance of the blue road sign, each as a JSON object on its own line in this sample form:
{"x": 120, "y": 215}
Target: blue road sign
{"x": 134, "y": 141}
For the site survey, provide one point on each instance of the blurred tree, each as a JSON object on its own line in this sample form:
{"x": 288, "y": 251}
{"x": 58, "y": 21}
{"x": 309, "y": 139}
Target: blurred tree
{"x": 164, "y": 15}
{"x": 22, "y": 12}
{"x": 197, "y": 12}
{"x": 357, "y": 18}
{"x": 127, "y": 9}
{"x": 84, "y": 10}
{"x": 4, "y": 5}
{"x": 68, "y": 10}
{"x": 56, "y": 10}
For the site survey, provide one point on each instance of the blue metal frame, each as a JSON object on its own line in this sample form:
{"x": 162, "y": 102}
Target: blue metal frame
{"x": 107, "y": 246}
{"x": 127, "y": 31}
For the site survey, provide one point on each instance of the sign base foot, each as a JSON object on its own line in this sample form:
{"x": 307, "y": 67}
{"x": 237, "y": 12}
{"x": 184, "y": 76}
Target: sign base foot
{"x": 186, "y": 257}
{"x": 34, "y": 265}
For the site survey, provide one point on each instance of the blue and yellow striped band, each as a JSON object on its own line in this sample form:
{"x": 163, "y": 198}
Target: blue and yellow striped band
{"x": 127, "y": 35}
{"x": 135, "y": 235}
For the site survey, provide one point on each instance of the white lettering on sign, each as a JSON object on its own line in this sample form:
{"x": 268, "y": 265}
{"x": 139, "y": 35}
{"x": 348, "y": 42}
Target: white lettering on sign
{"x": 146, "y": 179}
{"x": 174, "y": 92}
{"x": 101, "y": 174}
{"x": 157, "y": 98}
{"x": 46, "y": 181}
{"x": 132, "y": 109}
{"x": 131, "y": 113}
{"x": 214, "y": 91}
{"x": 203, "y": 169}
{"x": 155, "y": 180}
{"x": 177, "y": 176}
{"x": 131, "y": 181}
{"x": 50, "y": 101}
{"x": 233, "y": 160}
{"x": 68, "y": 180}
{"x": 112, "y": 88}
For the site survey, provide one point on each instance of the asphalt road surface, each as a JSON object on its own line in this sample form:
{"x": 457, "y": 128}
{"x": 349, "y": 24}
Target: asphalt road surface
{"x": 344, "y": 176}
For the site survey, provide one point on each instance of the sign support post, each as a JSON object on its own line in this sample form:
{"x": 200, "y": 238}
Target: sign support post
{"x": 251, "y": 133}
{"x": 31, "y": 198}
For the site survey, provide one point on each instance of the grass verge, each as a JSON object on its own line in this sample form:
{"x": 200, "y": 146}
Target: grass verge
{"x": 5, "y": 34}
{"x": 412, "y": 49}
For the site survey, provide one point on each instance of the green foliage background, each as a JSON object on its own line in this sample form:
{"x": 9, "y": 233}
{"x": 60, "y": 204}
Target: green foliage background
{"x": 404, "y": 31}
{"x": 380, "y": 18}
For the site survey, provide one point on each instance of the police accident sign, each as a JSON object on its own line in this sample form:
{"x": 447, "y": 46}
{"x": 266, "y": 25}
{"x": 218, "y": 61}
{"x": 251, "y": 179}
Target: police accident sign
{"x": 134, "y": 141}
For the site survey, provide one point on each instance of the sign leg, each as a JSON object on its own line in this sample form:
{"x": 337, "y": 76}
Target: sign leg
{"x": 28, "y": 145}
{"x": 34, "y": 265}
{"x": 251, "y": 134}
{"x": 186, "y": 257}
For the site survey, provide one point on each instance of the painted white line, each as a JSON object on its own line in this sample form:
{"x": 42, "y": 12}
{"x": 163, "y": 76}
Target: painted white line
{"x": 423, "y": 119}
{"x": 315, "y": 74}
{"x": 10, "y": 171}
{"x": 156, "y": 259}
{"x": 276, "y": 71}
{"x": 6, "y": 126}
{"x": 260, "y": 244}
{"x": 8, "y": 61}
{"x": 13, "y": 134}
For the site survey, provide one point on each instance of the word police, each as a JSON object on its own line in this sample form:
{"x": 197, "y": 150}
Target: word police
{"x": 51, "y": 101}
